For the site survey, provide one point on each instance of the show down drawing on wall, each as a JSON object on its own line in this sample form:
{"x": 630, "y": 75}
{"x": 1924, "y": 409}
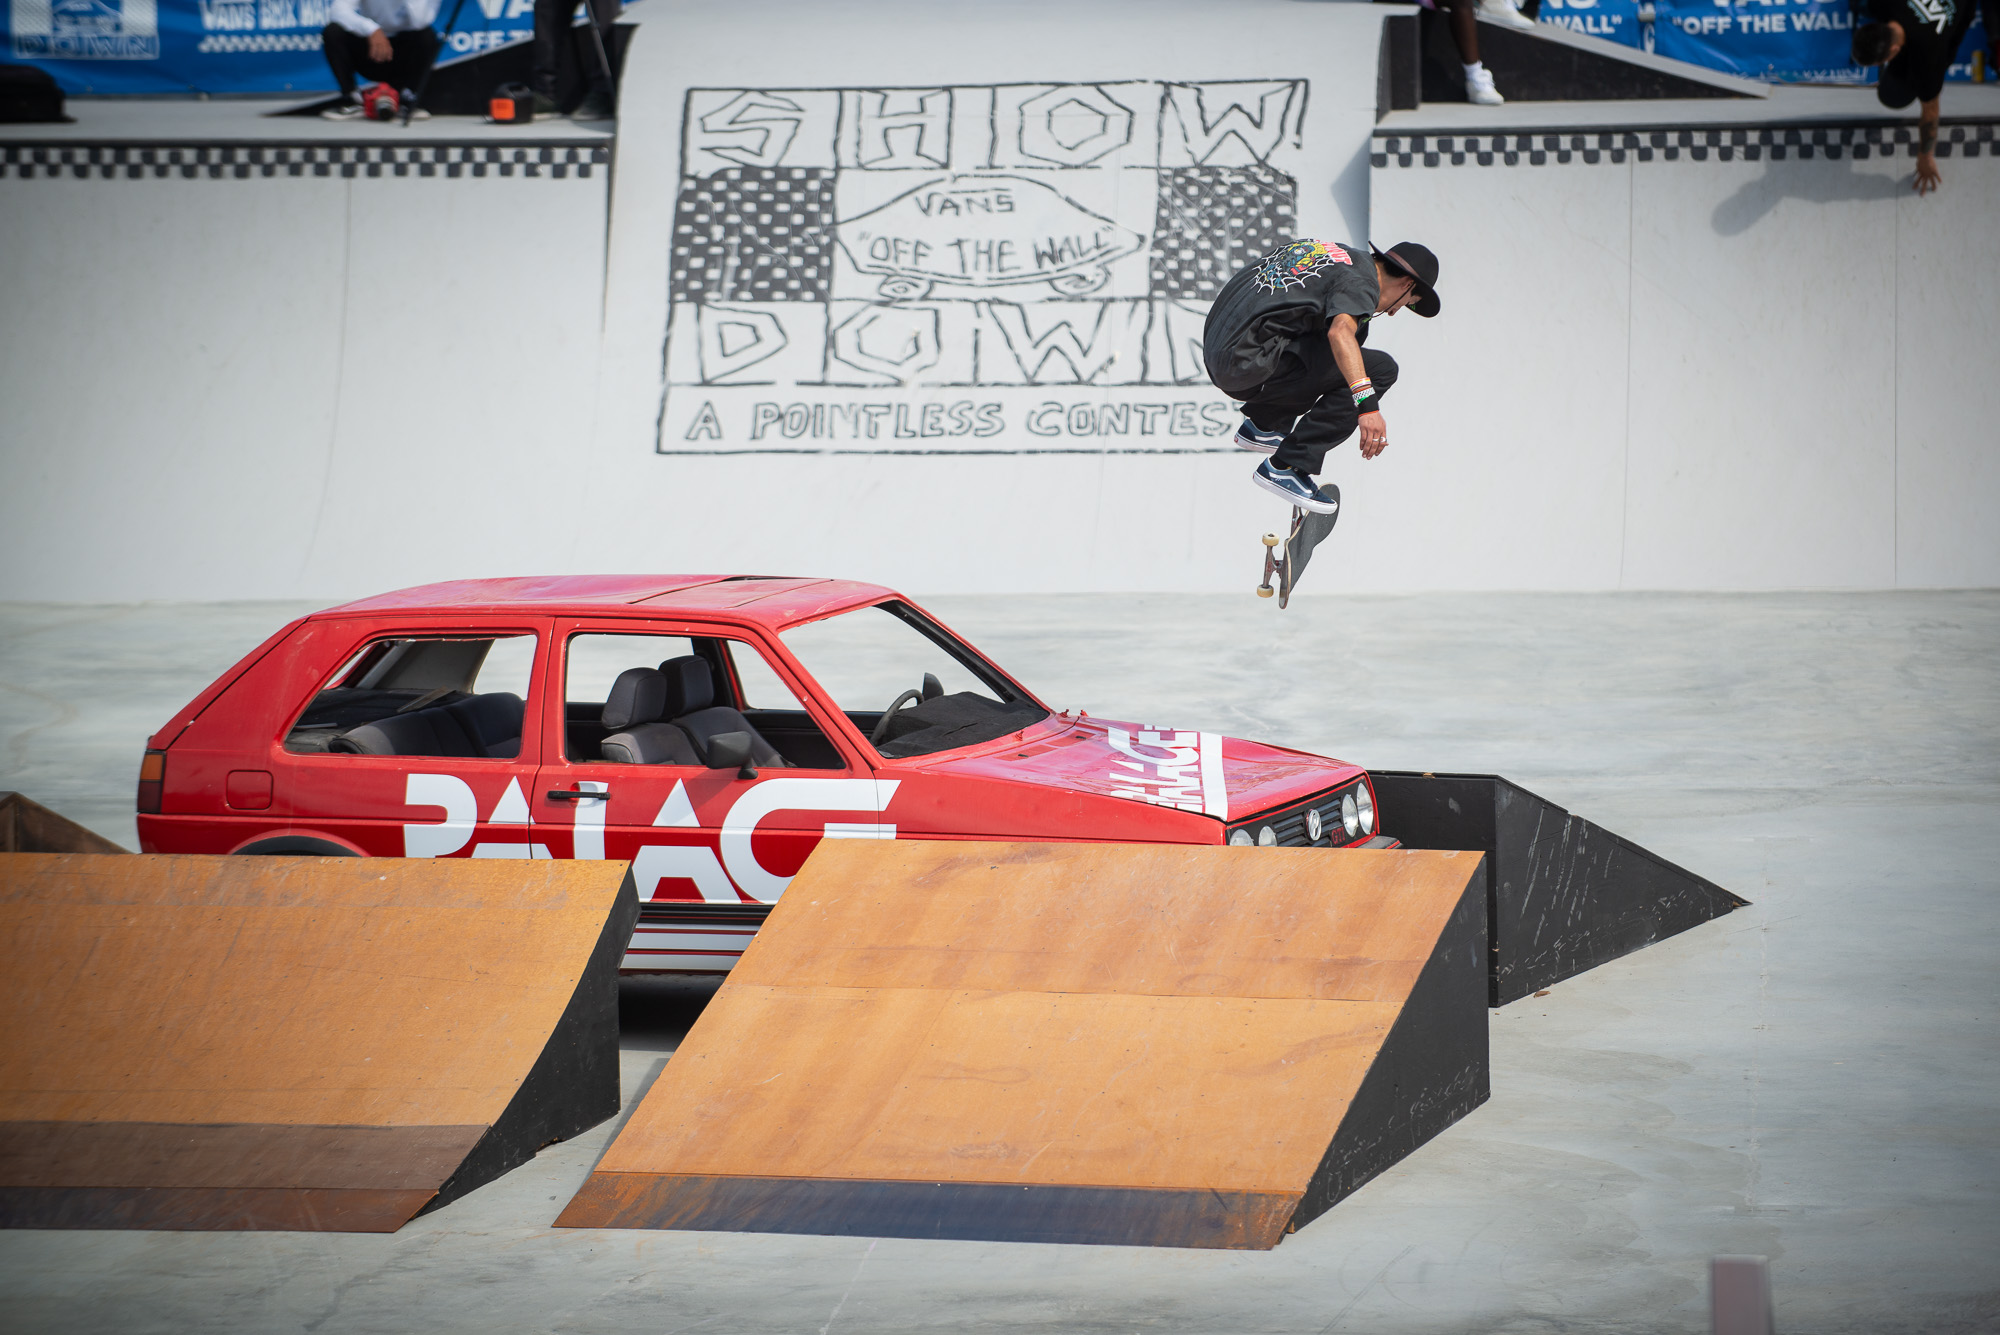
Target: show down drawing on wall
{"x": 1013, "y": 267}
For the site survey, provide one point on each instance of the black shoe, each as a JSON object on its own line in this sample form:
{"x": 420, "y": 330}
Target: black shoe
{"x": 546, "y": 106}
{"x": 596, "y": 106}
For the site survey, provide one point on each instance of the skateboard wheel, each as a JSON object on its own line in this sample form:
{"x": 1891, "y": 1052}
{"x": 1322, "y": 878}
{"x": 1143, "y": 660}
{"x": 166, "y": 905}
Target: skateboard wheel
{"x": 1270, "y": 539}
{"x": 1265, "y": 591}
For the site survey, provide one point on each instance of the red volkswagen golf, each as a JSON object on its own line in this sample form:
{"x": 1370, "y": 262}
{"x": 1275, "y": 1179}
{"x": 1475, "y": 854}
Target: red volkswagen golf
{"x": 712, "y": 729}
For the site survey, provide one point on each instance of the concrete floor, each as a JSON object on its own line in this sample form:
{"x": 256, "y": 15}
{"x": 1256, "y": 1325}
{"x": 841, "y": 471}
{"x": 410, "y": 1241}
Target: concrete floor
{"x": 1811, "y": 1079}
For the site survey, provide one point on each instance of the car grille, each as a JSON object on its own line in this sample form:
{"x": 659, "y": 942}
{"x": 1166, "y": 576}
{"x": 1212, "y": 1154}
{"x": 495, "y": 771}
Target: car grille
{"x": 698, "y": 913}
{"x": 1289, "y": 823}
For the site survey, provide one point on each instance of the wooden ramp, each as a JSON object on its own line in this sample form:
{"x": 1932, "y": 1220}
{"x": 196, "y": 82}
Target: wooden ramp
{"x": 295, "y": 1043}
{"x": 1145, "y": 1044}
{"x": 26, "y": 826}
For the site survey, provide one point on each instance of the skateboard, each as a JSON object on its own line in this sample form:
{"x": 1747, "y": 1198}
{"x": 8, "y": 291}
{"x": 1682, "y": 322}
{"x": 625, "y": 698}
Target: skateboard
{"x": 1288, "y": 560}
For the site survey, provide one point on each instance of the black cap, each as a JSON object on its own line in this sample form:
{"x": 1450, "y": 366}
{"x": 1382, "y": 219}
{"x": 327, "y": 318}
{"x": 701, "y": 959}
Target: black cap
{"x": 1415, "y": 261}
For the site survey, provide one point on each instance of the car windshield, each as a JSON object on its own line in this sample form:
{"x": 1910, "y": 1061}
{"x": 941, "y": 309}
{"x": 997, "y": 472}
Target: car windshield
{"x": 908, "y": 685}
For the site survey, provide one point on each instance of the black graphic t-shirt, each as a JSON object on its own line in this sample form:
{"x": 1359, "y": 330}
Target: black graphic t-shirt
{"x": 1291, "y": 293}
{"x": 1932, "y": 32}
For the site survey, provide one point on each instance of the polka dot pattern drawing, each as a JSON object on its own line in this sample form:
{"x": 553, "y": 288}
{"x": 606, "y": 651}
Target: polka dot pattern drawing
{"x": 754, "y": 234}
{"x": 1212, "y": 221}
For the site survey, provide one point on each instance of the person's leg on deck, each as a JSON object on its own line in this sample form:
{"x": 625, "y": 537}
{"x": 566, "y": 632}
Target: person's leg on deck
{"x": 600, "y": 100}
{"x": 344, "y": 53}
{"x": 1464, "y": 18}
{"x": 413, "y": 51}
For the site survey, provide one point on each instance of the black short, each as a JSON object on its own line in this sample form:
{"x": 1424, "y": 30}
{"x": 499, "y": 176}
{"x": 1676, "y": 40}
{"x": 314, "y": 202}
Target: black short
{"x": 1897, "y": 90}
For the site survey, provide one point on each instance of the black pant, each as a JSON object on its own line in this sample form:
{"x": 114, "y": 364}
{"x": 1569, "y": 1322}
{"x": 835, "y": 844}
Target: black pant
{"x": 553, "y": 35}
{"x": 411, "y": 53}
{"x": 1309, "y": 401}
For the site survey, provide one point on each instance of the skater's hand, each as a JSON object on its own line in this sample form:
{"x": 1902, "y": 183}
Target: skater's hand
{"x": 379, "y": 49}
{"x": 1374, "y": 435}
{"x": 1927, "y": 174}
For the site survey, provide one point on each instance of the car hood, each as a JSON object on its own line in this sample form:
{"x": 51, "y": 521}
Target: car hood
{"x": 1203, "y": 772}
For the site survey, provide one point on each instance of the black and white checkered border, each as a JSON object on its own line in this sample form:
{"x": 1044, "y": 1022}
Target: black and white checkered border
{"x": 1537, "y": 148}
{"x": 554, "y": 161}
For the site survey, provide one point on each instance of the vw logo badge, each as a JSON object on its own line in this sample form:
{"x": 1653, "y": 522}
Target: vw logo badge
{"x": 1313, "y": 824}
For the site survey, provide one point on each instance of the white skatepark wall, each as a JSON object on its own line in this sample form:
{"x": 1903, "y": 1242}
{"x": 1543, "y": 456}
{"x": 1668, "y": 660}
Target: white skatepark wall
{"x": 942, "y": 269}
{"x": 1713, "y": 372}
{"x": 224, "y": 385}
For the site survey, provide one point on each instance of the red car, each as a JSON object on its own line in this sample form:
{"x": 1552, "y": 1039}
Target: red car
{"x": 712, "y": 729}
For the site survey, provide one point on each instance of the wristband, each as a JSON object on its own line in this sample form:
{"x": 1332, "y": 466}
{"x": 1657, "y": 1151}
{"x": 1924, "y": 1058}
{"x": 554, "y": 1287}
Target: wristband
{"x": 1363, "y": 388}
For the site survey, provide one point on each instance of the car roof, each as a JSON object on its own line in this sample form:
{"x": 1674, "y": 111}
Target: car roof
{"x": 772, "y": 600}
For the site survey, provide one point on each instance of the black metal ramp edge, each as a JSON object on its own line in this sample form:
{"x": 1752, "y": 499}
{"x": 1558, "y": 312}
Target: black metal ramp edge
{"x": 573, "y": 1085}
{"x": 959, "y": 1211}
{"x": 1431, "y": 1070}
{"x": 1563, "y": 894}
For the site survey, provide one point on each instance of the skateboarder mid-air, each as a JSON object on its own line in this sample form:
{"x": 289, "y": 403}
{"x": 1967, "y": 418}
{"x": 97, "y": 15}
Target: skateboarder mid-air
{"x": 1284, "y": 338}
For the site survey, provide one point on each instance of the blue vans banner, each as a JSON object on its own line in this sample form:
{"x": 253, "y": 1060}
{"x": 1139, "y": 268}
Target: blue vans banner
{"x": 1781, "y": 40}
{"x": 1785, "y": 41}
{"x": 273, "y": 46}
{"x": 212, "y": 46}
{"x": 1612, "y": 20}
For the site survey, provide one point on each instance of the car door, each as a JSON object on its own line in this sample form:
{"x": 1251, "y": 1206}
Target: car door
{"x": 430, "y": 786}
{"x": 711, "y": 849}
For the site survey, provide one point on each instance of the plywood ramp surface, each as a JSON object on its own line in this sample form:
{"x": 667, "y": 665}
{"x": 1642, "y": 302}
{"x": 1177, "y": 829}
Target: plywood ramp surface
{"x": 1062, "y": 1042}
{"x": 245, "y": 1027}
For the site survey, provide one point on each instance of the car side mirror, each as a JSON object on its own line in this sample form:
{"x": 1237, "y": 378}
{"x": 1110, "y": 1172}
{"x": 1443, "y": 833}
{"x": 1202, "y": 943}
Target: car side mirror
{"x": 731, "y": 750}
{"x": 933, "y": 688}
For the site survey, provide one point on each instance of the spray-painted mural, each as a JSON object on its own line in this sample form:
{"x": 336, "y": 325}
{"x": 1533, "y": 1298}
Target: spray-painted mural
{"x": 1013, "y": 267}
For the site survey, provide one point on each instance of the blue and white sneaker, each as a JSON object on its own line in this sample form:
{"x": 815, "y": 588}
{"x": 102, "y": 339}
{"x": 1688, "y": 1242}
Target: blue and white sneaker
{"x": 1294, "y": 487}
{"x": 1250, "y": 437}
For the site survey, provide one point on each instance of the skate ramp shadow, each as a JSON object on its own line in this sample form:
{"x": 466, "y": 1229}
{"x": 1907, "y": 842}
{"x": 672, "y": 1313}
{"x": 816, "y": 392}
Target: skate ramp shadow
{"x": 1815, "y": 180}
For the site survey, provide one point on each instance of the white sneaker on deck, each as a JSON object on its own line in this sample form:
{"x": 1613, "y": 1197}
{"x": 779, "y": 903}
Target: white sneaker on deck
{"x": 1501, "y": 12}
{"x": 1480, "y": 91}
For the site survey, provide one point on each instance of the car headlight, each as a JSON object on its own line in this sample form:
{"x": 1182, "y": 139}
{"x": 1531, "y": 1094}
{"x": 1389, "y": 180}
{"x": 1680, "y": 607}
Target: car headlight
{"x": 1366, "y": 804}
{"x": 1350, "y": 815}
{"x": 1242, "y": 838}
{"x": 1267, "y": 838}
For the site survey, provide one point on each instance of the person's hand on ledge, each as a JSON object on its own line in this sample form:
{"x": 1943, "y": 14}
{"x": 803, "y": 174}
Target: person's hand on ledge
{"x": 1927, "y": 174}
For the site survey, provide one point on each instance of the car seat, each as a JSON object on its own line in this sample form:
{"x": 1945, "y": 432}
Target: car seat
{"x": 691, "y": 705}
{"x": 632, "y": 719}
{"x": 480, "y": 726}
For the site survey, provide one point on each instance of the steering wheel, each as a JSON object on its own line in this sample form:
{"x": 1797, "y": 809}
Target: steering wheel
{"x": 882, "y": 724}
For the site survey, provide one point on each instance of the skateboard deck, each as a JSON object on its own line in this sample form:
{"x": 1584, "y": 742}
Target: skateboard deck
{"x": 1288, "y": 558}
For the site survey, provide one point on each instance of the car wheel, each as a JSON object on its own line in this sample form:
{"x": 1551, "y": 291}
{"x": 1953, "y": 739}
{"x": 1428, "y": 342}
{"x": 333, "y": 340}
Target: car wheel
{"x": 295, "y": 845}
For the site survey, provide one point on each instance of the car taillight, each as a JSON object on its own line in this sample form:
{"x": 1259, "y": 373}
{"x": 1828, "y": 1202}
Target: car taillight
{"x": 152, "y": 777}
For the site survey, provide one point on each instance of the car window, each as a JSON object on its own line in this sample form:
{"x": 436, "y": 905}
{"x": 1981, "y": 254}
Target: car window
{"x": 769, "y": 710}
{"x": 594, "y": 662}
{"x": 872, "y": 658}
{"x": 438, "y": 695}
{"x": 760, "y": 685}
